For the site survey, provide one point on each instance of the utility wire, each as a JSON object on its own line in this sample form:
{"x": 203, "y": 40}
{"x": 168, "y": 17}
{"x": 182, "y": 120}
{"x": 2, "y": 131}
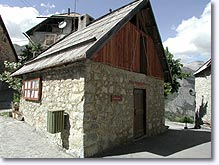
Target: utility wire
{"x": 26, "y": 3}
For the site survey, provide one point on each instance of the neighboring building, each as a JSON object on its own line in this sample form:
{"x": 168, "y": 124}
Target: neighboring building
{"x": 203, "y": 92}
{"x": 7, "y": 53}
{"x": 107, "y": 78}
{"x": 56, "y": 27}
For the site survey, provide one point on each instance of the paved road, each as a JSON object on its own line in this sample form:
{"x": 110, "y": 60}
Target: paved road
{"x": 175, "y": 143}
{"x": 19, "y": 140}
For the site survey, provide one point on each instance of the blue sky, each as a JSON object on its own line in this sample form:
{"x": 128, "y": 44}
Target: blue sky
{"x": 175, "y": 19}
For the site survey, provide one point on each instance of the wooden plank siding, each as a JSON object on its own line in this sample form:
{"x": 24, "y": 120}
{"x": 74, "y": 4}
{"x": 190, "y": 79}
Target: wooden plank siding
{"x": 123, "y": 51}
{"x": 154, "y": 65}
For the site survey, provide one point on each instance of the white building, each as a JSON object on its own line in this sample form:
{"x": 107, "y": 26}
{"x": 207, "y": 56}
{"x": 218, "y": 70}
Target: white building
{"x": 203, "y": 92}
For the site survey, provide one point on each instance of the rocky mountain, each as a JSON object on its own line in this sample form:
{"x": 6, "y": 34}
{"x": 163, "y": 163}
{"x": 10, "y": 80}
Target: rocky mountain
{"x": 193, "y": 65}
{"x": 18, "y": 49}
{"x": 181, "y": 104}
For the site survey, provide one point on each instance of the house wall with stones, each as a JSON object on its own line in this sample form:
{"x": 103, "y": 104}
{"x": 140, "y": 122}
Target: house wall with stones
{"x": 108, "y": 124}
{"x": 94, "y": 122}
{"x": 6, "y": 54}
{"x": 62, "y": 89}
{"x": 203, "y": 88}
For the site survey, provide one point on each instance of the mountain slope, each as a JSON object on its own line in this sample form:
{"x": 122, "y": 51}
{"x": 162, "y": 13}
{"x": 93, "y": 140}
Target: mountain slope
{"x": 18, "y": 49}
{"x": 182, "y": 104}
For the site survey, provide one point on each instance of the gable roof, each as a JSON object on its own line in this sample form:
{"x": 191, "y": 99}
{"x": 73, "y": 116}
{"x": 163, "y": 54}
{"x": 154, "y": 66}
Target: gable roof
{"x": 85, "y": 42}
{"x": 8, "y": 37}
{"x": 203, "y": 67}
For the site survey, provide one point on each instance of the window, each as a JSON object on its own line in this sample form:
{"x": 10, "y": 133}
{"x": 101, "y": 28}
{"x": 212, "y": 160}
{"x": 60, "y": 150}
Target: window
{"x": 32, "y": 89}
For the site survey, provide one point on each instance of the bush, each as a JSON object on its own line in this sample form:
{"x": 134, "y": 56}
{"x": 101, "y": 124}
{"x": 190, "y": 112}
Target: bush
{"x": 186, "y": 120}
{"x": 5, "y": 114}
{"x": 178, "y": 118}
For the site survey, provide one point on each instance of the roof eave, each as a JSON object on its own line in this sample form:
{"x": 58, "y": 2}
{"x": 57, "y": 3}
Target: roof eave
{"x": 19, "y": 74}
{"x": 205, "y": 66}
{"x": 167, "y": 73}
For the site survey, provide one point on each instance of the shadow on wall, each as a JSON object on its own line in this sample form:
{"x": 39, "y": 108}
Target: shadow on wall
{"x": 200, "y": 113}
{"x": 66, "y": 132}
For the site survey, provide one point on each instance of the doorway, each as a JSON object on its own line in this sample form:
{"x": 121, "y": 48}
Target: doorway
{"x": 139, "y": 112}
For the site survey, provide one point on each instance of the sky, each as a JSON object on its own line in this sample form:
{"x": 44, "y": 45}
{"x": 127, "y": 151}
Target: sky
{"x": 184, "y": 25}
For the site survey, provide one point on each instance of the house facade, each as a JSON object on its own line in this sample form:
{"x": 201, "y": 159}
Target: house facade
{"x": 56, "y": 27}
{"x": 101, "y": 86}
{"x": 7, "y": 53}
{"x": 203, "y": 92}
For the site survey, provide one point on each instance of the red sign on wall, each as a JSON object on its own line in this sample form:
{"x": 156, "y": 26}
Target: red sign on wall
{"x": 116, "y": 98}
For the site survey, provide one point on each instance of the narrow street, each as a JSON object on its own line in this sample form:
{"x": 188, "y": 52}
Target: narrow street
{"x": 19, "y": 140}
{"x": 177, "y": 142}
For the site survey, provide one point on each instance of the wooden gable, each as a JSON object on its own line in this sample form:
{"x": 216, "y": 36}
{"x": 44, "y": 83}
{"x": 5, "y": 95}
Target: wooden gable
{"x": 133, "y": 48}
{"x": 126, "y": 38}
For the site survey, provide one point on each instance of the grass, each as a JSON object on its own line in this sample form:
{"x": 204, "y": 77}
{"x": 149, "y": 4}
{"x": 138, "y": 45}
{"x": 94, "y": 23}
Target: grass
{"x": 178, "y": 118}
{"x": 7, "y": 114}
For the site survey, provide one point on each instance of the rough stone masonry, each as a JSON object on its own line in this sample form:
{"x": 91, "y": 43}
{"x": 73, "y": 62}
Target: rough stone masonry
{"x": 94, "y": 123}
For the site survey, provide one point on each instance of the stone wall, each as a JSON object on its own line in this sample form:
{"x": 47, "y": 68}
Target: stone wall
{"x": 6, "y": 50}
{"x": 108, "y": 124}
{"x": 62, "y": 89}
{"x": 6, "y": 54}
{"x": 203, "y": 88}
{"x": 94, "y": 123}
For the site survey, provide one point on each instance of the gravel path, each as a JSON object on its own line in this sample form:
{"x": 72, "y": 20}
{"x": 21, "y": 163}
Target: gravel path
{"x": 19, "y": 140}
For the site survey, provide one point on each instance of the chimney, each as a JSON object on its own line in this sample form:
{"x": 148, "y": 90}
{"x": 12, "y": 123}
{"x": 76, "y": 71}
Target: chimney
{"x": 84, "y": 20}
{"x": 69, "y": 11}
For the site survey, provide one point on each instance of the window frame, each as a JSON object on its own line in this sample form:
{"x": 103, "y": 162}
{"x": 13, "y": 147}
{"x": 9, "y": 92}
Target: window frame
{"x": 31, "y": 89}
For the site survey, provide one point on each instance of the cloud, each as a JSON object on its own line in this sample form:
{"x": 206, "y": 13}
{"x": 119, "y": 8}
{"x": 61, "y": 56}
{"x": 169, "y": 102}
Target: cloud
{"x": 193, "y": 38}
{"x": 18, "y": 20}
{"x": 48, "y": 5}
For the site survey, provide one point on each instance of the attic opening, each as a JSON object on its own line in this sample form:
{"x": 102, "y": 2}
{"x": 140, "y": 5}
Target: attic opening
{"x": 52, "y": 25}
{"x": 74, "y": 24}
{"x": 139, "y": 21}
{"x": 48, "y": 27}
{"x": 143, "y": 21}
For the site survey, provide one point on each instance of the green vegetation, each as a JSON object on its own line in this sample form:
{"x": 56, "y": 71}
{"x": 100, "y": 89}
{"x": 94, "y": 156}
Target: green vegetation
{"x": 178, "y": 118}
{"x": 30, "y": 51}
{"x": 6, "y": 114}
{"x": 177, "y": 73}
{"x": 15, "y": 83}
{"x": 186, "y": 120}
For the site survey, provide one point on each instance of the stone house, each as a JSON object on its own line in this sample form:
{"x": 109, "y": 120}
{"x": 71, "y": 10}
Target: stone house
{"x": 55, "y": 27}
{"x": 106, "y": 79}
{"x": 203, "y": 92}
{"x": 7, "y": 53}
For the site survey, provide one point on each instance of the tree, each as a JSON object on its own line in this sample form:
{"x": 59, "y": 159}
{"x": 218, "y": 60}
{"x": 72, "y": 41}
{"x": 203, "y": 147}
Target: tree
{"x": 14, "y": 83}
{"x": 177, "y": 73}
{"x": 28, "y": 53}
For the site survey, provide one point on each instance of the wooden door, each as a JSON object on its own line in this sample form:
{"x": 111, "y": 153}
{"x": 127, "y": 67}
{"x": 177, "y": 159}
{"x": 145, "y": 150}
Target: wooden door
{"x": 139, "y": 112}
